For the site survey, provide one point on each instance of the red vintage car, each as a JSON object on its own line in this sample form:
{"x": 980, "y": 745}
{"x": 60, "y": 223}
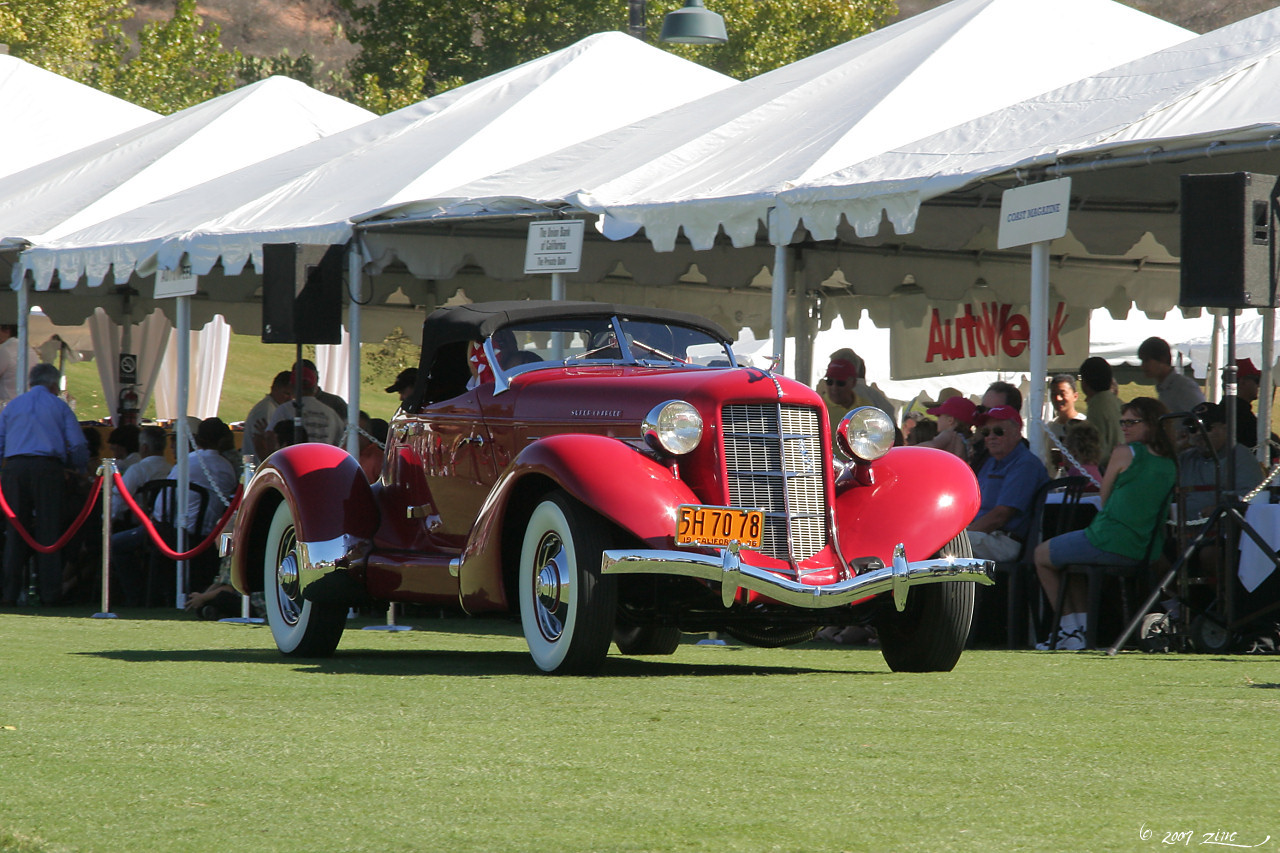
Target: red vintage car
{"x": 610, "y": 474}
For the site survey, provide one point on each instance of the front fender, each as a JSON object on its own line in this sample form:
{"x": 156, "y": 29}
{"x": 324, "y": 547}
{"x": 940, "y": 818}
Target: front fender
{"x": 328, "y": 495}
{"x": 628, "y": 488}
{"x": 919, "y": 496}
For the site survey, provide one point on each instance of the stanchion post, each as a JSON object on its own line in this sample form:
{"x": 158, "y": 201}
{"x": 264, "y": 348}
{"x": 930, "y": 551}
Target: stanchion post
{"x": 247, "y": 470}
{"x": 107, "y": 473}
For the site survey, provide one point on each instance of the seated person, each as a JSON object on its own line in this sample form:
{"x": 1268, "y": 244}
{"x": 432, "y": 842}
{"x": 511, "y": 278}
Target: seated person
{"x": 1084, "y": 443}
{"x": 151, "y": 465}
{"x": 955, "y": 425}
{"x": 1008, "y": 481}
{"x": 1139, "y": 478}
{"x": 923, "y": 431}
{"x": 1203, "y": 465}
{"x": 123, "y": 442}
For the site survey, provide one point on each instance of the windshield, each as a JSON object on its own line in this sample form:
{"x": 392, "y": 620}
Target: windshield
{"x": 598, "y": 340}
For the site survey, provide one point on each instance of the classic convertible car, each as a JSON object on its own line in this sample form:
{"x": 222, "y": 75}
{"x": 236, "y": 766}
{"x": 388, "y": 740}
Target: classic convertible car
{"x": 611, "y": 475}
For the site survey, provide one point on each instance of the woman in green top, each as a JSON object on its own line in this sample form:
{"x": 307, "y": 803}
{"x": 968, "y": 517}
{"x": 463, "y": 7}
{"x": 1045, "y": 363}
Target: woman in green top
{"x": 1135, "y": 502}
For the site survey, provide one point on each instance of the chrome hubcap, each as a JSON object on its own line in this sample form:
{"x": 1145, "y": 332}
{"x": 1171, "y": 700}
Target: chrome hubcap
{"x": 551, "y": 587}
{"x": 287, "y": 588}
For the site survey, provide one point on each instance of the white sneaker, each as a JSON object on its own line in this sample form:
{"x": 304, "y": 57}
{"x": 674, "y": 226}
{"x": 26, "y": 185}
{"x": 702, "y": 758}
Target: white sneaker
{"x": 1066, "y": 640}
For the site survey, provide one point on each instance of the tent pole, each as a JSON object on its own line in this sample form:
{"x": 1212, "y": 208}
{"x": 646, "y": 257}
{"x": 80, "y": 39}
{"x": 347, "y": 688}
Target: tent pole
{"x": 1264, "y": 384}
{"x": 1213, "y": 380}
{"x": 24, "y": 319}
{"x": 354, "y": 289}
{"x": 183, "y": 436}
{"x": 1039, "y": 343}
{"x": 807, "y": 308}
{"x": 779, "y": 314}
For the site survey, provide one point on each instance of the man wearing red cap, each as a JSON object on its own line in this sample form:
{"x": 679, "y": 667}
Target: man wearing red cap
{"x": 837, "y": 390}
{"x": 320, "y": 421}
{"x": 1247, "y": 378}
{"x": 1008, "y": 481}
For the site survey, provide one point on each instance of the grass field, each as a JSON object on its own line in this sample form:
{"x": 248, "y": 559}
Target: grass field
{"x": 165, "y": 734}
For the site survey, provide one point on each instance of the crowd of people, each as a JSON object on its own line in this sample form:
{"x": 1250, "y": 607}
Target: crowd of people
{"x": 49, "y": 461}
{"x": 1132, "y": 454}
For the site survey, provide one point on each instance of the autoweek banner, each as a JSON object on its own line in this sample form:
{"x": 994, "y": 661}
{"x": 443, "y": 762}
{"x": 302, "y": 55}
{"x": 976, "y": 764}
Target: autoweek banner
{"x": 979, "y": 333}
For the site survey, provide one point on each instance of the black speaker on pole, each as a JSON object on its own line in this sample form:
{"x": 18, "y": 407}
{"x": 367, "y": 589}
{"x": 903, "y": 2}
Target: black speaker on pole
{"x": 1227, "y": 256}
{"x": 301, "y": 293}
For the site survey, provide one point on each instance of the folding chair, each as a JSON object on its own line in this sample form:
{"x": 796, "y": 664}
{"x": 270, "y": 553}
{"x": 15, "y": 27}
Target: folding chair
{"x": 1055, "y": 508}
{"x": 1098, "y": 574}
{"x": 160, "y": 571}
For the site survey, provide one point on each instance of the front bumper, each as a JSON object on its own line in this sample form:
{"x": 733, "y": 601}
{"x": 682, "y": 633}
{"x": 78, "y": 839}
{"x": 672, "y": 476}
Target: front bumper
{"x": 727, "y": 569}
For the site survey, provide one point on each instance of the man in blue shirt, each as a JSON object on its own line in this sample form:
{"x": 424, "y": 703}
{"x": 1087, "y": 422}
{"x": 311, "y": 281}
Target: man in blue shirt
{"x": 1008, "y": 481}
{"x": 39, "y": 438}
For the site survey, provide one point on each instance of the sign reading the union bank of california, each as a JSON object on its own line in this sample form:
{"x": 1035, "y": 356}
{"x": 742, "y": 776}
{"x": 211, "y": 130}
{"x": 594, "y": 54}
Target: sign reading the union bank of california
{"x": 1034, "y": 213}
{"x": 980, "y": 333}
{"x": 554, "y": 246}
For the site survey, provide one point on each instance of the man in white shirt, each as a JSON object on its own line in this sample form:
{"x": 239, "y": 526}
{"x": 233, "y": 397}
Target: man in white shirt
{"x": 151, "y": 466}
{"x": 207, "y": 467}
{"x": 321, "y": 423}
{"x": 256, "y": 422}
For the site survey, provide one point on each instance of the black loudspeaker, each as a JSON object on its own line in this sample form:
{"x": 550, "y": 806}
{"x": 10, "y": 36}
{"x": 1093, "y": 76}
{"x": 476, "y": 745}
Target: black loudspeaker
{"x": 301, "y": 294}
{"x": 1227, "y": 253}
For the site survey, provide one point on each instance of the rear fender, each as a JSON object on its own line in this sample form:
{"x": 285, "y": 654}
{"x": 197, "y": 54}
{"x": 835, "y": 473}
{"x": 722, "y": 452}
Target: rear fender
{"x": 626, "y": 487}
{"x": 329, "y": 497}
{"x": 919, "y": 496}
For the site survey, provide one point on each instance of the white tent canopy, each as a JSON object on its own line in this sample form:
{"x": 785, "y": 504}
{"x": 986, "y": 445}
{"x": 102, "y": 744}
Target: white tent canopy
{"x": 1210, "y": 104}
{"x": 310, "y": 195}
{"x": 718, "y": 162}
{"x": 168, "y": 155}
{"x": 47, "y": 115}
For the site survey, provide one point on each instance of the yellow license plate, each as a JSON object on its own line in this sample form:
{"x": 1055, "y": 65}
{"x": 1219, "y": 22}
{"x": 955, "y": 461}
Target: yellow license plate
{"x": 718, "y": 525}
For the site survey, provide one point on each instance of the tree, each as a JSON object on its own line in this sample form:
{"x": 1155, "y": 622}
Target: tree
{"x": 179, "y": 63}
{"x": 67, "y": 37}
{"x": 176, "y": 63}
{"x": 765, "y": 36}
{"x": 464, "y": 40}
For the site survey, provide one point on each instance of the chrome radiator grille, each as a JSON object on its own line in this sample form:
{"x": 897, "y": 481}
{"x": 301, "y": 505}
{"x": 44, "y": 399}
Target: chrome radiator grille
{"x": 773, "y": 455}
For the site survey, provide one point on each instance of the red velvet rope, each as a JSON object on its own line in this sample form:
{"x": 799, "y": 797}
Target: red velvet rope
{"x": 158, "y": 540}
{"x": 66, "y": 537}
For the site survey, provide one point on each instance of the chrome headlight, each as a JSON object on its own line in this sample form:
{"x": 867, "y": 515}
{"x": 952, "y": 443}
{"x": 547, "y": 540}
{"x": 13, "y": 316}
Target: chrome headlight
{"x": 865, "y": 433}
{"x": 674, "y": 427}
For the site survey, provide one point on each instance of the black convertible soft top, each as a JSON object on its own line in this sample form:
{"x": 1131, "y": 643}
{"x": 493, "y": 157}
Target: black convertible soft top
{"x": 475, "y": 322}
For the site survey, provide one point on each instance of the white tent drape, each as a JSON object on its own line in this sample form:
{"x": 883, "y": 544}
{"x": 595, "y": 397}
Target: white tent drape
{"x": 149, "y": 341}
{"x": 204, "y": 383}
{"x": 331, "y": 362}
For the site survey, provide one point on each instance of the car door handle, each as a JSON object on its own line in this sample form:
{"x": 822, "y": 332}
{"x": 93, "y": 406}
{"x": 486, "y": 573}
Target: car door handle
{"x": 477, "y": 440}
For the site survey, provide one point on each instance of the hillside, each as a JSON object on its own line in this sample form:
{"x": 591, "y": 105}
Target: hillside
{"x": 267, "y": 27}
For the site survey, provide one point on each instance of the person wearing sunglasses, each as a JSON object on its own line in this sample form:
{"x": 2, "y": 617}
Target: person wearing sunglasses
{"x": 1135, "y": 496}
{"x": 1008, "y": 481}
{"x": 837, "y": 390}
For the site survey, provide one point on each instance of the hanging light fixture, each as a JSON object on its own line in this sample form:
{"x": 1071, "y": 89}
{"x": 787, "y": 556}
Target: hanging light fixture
{"x": 694, "y": 24}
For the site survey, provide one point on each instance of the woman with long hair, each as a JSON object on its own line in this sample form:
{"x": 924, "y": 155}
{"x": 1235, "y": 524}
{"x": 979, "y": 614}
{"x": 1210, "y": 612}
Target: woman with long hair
{"x": 1135, "y": 498}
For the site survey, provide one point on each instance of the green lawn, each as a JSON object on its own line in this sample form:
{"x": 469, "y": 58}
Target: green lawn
{"x": 159, "y": 734}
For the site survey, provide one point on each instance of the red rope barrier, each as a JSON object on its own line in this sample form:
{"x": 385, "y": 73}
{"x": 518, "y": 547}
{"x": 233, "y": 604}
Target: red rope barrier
{"x": 66, "y": 537}
{"x": 158, "y": 540}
